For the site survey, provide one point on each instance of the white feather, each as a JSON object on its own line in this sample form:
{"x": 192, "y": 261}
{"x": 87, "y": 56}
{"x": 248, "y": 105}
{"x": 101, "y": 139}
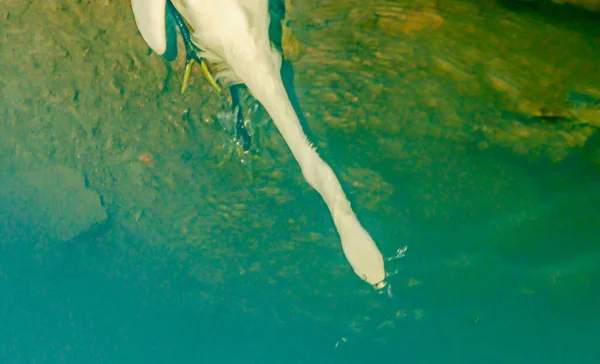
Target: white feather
{"x": 233, "y": 35}
{"x": 149, "y": 17}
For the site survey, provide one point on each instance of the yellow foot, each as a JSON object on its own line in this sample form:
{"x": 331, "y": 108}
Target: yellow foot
{"x": 205, "y": 72}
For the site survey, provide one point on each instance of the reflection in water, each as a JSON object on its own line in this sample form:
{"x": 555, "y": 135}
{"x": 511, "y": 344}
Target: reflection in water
{"x": 465, "y": 130}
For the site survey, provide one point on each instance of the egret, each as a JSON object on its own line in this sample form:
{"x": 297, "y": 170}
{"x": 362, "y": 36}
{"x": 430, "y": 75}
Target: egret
{"x": 233, "y": 36}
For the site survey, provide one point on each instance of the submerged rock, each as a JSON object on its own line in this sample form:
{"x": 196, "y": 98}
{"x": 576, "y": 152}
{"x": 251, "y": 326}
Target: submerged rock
{"x": 51, "y": 202}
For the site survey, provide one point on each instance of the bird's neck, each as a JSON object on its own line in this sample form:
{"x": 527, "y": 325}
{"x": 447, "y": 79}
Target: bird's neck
{"x": 266, "y": 85}
{"x": 271, "y": 93}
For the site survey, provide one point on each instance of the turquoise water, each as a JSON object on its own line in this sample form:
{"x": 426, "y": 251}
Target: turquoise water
{"x": 516, "y": 286}
{"x": 200, "y": 261}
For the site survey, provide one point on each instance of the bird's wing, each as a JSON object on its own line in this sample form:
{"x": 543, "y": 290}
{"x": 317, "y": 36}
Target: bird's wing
{"x": 150, "y": 19}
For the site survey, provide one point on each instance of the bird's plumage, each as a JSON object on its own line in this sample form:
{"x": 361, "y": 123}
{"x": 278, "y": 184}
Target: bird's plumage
{"x": 149, "y": 17}
{"x": 234, "y": 36}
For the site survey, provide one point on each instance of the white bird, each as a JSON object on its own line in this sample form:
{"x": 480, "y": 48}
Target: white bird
{"x": 232, "y": 35}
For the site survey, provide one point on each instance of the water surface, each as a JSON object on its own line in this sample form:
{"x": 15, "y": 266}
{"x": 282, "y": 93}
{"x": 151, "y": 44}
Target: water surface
{"x": 467, "y": 132}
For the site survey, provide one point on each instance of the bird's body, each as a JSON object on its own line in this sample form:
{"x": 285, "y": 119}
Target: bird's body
{"x": 233, "y": 36}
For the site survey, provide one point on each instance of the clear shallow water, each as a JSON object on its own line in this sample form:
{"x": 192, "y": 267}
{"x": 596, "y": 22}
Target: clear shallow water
{"x": 204, "y": 264}
{"x": 519, "y": 286}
